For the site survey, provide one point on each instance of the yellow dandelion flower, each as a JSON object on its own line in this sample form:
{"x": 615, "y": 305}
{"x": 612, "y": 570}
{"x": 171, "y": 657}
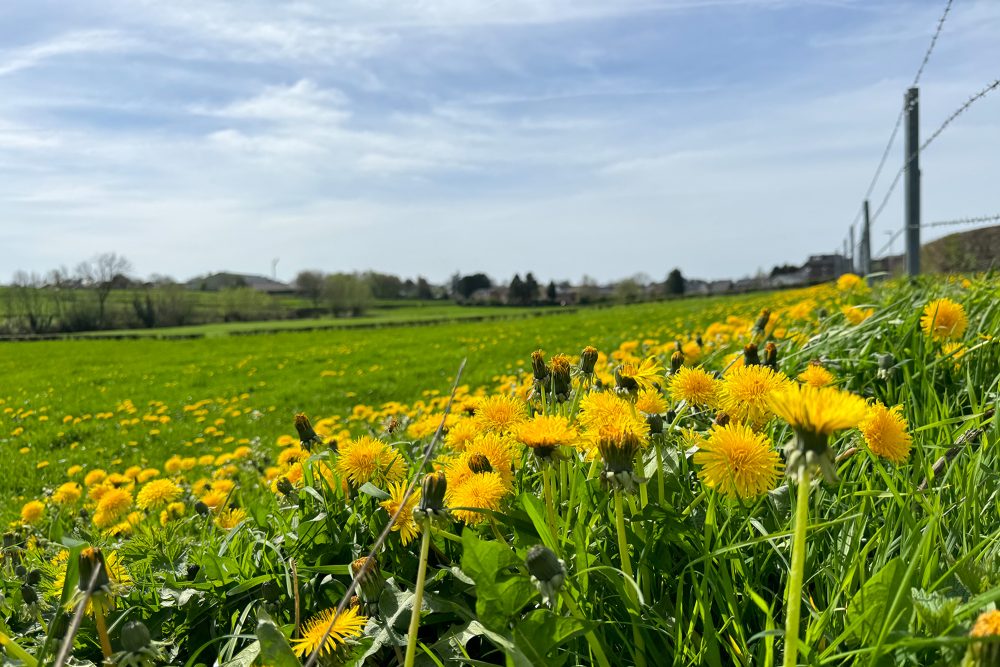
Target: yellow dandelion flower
{"x": 884, "y": 431}
{"x": 850, "y": 282}
{"x": 817, "y": 411}
{"x": 500, "y": 414}
{"x": 984, "y": 653}
{"x": 157, "y": 493}
{"x": 290, "y": 455}
{"x": 856, "y": 315}
{"x": 461, "y": 434}
{"x": 172, "y": 511}
{"x": 370, "y": 460}
{"x": 215, "y": 499}
{"x": 32, "y": 512}
{"x": 943, "y": 319}
{"x": 112, "y": 506}
{"x": 147, "y": 474}
{"x": 498, "y": 451}
{"x": 816, "y": 376}
{"x": 608, "y": 418}
{"x": 651, "y": 402}
{"x": 481, "y": 490}
{"x": 94, "y": 477}
{"x": 404, "y": 524}
{"x": 737, "y": 462}
{"x": 337, "y": 629}
{"x": 694, "y": 386}
{"x": 230, "y": 518}
{"x": 543, "y": 433}
{"x": 67, "y": 493}
{"x": 74, "y": 470}
{"x": 745, "y": 391}
{"x": 632, "y": 377}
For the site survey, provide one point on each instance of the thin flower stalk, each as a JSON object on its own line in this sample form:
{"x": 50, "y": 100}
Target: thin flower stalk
{"x": 418, "y": 595}
{"x": 793, "y": 599}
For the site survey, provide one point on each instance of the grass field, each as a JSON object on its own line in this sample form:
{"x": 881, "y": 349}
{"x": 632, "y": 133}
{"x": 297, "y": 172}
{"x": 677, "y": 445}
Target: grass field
{"x": 724, "y": 487}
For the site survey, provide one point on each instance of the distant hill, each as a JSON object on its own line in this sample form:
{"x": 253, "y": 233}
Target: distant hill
{"x": 975, "y": 250}
{"x": 961, "y": 252}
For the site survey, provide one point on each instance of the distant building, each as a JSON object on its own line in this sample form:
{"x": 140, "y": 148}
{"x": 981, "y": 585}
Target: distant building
{"x": 822, "y": 268}
{"x": 225, "y": 280}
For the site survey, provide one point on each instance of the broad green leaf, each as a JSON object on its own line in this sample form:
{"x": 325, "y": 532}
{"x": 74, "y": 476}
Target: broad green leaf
{"x": 274, "y": 648}
{"x": 500, "y": 591}
{"x": 540, "y": 632}
{"x": 867, "y": 609}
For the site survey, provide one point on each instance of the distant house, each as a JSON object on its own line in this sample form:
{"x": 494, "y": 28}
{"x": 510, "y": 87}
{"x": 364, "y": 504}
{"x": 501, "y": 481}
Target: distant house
{"x": 822, "y": 268}
{"x": 225, "y": 280}
{"x": 790, "y": 279}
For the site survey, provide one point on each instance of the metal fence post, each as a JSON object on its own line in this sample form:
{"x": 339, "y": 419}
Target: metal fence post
{"x": 866, "y": 244}
{"x": 912, "y": 183}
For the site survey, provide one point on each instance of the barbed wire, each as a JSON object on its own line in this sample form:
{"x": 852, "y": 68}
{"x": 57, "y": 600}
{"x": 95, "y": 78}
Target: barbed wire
{"x": 972, "y": 220}
{"x": 934, "y": 135}
{"x": 903, "y": 110}
{"x": 964, "y": 221}
{"x": 930, "y": 47}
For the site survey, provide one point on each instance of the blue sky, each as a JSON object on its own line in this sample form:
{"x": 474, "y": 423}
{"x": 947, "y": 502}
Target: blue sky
{"x": 566, "y": 138}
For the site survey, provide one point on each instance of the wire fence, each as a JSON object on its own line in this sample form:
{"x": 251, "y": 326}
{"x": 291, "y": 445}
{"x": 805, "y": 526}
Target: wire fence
{"x": 908, "y": 159}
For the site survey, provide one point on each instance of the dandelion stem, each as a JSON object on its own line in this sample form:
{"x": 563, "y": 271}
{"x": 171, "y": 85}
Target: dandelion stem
{"x": 102, "y": 632}
{"x": 418, "y": 596}
{"x": 550, "y": 508}
{"x": 659, "y": 471}
{"x": 793, "y": 600}
{"x": 595, "y": 644}
{"x": 640, "y": 646}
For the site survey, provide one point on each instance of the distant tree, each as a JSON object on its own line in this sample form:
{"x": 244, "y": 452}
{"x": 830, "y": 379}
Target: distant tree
{"x": 628, "y": 290}
{"x": 676, "y": 283}
{"x": 29, "y": 303}
{"x": 551, "y": 293}
{"x": 103, "y": 273}
{"x": 309, "y": 283}
{"x": 347, "y": 294}
{"x": 515, "y": 291}
{"x": 531, "y": 288}
{"x": 465, "y": 286}
{"x": 783, "y": 269}
{"x": 384, "y": 285}
{"x": 589, "y": 291}
{"x": 424, "y": 291}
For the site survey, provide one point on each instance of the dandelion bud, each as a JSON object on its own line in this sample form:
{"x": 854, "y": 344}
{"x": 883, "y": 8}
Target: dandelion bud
{"x": 761, "y": 324}
{"x": 560, "y": 369}
{"x": 750, "y": 356}
{"x": 135, "y": 636}
{"x": 285, "y": 486}
{"x": 33, "y": 577}
{"x": 984, "y": 653}
{"x": 548, "y": 572}
{"x": 655, "y": 424}
{"x": 8, "y": 540}
{"x": 92, "y": 569}
{"x": 29, "y": 594}
{"x": 538, "y": 367}
{"x": 619, "y": 461}
{"x": 307, "y": 436}
{"x": 478, "y": 463}
{"x": 201, "y": 508}
{"x": 588, "y": 359}
{"x": 370, "y": 582}
{"x": 771, "y": 356}
{"x": 698, "y": 340}
{"x": 432, "y": 491}
{"x": 676, "y": 361}
{"x": 21, "y": 571}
